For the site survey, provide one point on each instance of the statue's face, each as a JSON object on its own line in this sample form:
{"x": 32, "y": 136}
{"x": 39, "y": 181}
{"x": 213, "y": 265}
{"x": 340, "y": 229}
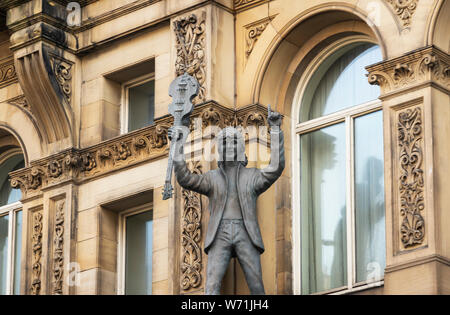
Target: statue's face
{"x": 231, "y": 146}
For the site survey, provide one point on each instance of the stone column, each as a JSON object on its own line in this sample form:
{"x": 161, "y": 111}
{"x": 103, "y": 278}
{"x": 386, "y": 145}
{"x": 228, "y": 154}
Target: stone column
{"x": 415, "y": 94}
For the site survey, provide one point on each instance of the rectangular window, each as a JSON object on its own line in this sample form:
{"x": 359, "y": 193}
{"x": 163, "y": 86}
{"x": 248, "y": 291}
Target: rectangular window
{"x": 10, "y": 248}
{"x": 136, "y": 246}
{"x": 323, "y": 203}
{"x": 138, "y": 103}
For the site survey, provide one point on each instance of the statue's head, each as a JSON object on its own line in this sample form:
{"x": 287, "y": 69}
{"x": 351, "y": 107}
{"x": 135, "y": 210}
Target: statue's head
{"x": 231, "y": 146}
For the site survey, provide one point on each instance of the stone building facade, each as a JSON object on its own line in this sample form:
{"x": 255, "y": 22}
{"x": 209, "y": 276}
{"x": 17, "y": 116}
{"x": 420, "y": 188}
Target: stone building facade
{"x": 84, "y": 148}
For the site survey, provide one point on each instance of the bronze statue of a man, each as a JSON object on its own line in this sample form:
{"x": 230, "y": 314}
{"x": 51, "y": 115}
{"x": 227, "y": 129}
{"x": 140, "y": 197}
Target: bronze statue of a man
{"x": 232, "y": 189}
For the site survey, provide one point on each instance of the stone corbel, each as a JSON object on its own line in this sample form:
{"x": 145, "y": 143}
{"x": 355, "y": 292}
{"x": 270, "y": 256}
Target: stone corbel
{"x": 45, "y": 76}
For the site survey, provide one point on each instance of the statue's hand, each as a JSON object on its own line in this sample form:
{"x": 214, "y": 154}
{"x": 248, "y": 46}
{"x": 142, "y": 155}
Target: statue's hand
{"x": 274, "y": 118}
{"x": 175, "y": 133}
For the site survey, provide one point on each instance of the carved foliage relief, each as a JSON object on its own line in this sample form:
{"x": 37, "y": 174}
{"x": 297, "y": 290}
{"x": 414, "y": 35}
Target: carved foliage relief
{"x": 58, "y": 248}
{"x": 252, "y": 34}
{"x": 36, "y": 252}
{"x": 404, "y": 10}
{"x": 191, "y": 236}
{"x": 411, "y": 176}
{"x": 63, "y": 74}
{"x": 8, "y": 73}
{"x": 191, "y": 45}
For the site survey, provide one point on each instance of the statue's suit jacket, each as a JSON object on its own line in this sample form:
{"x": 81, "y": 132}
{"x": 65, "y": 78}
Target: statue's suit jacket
{"x": 251, "y": 182}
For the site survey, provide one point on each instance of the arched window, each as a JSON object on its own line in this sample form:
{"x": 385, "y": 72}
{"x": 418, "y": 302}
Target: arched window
{"x": 342, "y": 226}
{"x": 10, "y": 224}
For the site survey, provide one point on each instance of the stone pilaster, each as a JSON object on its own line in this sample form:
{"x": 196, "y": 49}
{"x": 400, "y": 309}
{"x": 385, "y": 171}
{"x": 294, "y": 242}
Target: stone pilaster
{"x": 415, "y": 93}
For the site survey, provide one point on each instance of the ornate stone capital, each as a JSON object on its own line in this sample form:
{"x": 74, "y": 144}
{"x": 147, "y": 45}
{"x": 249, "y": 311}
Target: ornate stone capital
{"x": 426, "y": 65}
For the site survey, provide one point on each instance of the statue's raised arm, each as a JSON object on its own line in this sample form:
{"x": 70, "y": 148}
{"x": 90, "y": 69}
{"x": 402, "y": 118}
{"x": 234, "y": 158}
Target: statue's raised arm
{"x": 267, "y": 176}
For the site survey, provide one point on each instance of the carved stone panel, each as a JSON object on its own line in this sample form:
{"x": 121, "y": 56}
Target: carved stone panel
{"x": 190, "y": 34}
{"x": 191, "y": 237}
{"x": 36, "y": 251}
{"x": 411, "y": 177}
{"x": 58, "y": 248}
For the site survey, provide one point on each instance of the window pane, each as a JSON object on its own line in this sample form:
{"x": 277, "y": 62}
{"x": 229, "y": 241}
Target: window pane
{"x": 323, "y": 208}
{"x": 341, "y": 82}
{"x": 139, "y": 246}
{"x": 18, "y": 252}
{"x": 4, "y": 225}
{"x": 141, "y": 108}
{"x": 7, "y": 193}
{"x": 369, "y": 197}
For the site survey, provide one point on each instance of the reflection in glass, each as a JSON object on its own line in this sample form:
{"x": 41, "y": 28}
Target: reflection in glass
{"x": 9, "y": 195}
{"x": 4, "y": 225}
{"x": 323, "y": 204}
{"x": 141, "y": 105}
{"x": 139, "y": 247}
{"x": 369, "y": 197}
{"x": 340, "y": 82}
{"x": 18, "y": 251}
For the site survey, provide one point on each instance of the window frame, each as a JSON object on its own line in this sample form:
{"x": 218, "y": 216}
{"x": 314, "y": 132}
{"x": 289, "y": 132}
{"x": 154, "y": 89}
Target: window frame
{"x": 11, "y": 210}
{"x": 121, "y": 248}
{"x": 125, "y": 87}
{"x": 299, "y": 128}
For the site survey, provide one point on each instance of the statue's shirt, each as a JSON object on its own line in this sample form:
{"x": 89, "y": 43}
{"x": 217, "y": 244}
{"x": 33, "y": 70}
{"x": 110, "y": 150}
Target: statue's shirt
{"x": 232, "y": 207}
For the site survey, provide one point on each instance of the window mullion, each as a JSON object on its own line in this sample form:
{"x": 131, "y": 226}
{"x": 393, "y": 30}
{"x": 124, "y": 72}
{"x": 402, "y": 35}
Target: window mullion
{"x": 349, "y": 200}
{"x": 10, "y": 253}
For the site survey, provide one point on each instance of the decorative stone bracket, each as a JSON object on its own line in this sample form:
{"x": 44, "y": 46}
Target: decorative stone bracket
{"x": 46, "y": 79}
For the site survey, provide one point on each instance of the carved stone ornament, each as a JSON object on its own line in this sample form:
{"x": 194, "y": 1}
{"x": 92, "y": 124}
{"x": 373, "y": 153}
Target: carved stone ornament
{"x": 7, "y": 73}
{"x": 191, "y": 236}
{"x": 141, "y": 145}
{"x": 428, "y": 64}
{"x": 411, "y": 179}
{"x": 58, "y": 250}
{"x": 191, "y": 45}
{"x": 252, "y": 34}
{"x": 36, "y": 247}
{"x": 63, "y": 73}
{"x": 404, "y": 10}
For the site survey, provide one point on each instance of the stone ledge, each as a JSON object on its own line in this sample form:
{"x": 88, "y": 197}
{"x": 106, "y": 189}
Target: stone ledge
{"x": 143, "y": 145}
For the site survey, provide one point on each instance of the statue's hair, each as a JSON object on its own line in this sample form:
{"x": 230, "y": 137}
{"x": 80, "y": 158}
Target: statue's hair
{"x": 223, "y": 134}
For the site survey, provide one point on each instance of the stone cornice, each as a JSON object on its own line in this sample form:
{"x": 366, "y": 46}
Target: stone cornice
{"x": 428, "y": 64}
{"x": 130, "y": 149}
{"x": 241, "y": 5}
{"x": 8, "y": 4}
